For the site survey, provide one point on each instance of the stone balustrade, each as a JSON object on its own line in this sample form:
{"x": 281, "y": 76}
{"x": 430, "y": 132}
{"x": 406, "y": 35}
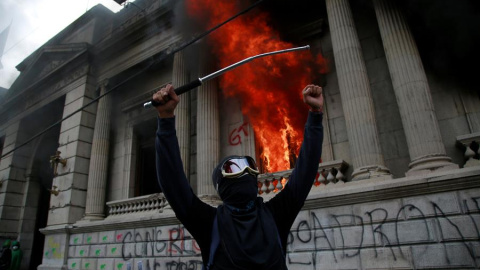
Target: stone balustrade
{"x": 470, "y": 144}
{"x": 329, "y": 173}
{"x": 154, "y": 202}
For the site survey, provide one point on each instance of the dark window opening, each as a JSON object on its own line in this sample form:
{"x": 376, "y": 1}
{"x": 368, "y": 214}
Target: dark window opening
{"x": 2, "y": 141}
{"x": 146, "y": 177}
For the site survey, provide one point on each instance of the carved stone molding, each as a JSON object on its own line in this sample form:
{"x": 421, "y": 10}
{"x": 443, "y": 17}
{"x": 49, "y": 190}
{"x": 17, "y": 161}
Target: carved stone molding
{"x": 154, "y": 202}
{"x": 470, "y": 144}
{"x": 64, "y": 81}
{"x": 328, "y": 173}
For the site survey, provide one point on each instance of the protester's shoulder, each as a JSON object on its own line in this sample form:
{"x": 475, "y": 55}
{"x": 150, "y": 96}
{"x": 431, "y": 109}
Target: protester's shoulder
{"x": 204, "y": 209}
{"x": 276, "y": 204}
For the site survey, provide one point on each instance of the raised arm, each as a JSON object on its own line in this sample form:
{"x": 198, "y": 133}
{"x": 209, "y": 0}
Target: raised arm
{"x": 170, "y": 174}
{"x": 293, "y": 196}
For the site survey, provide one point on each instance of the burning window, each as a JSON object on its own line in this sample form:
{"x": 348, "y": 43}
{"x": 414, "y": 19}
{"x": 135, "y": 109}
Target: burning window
{"x": 269, "y": 89}
{"x": 283, "y": 158}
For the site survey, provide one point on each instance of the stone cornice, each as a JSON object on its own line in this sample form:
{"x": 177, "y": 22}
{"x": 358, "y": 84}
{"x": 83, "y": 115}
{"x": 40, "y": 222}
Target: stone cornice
{"x": 134, "y": 102}
{"x": 466, "y": 140}
{"x": 78, "y": 52}
{"x": 135, "y": 28}
{"x": 120, "y": 223}
{"x": 98, "y": 11}
{"x": 56, "y": 229}
{"x": 30, "y": 101}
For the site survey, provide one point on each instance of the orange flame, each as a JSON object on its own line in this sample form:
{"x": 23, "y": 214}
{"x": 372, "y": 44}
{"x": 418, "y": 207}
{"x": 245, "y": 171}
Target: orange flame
{"x": 268, "y": 88}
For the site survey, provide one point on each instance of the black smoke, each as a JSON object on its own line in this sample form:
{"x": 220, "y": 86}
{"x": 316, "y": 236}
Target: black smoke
{"x": 447, "y": 32}
{"x": 448, "y": 37}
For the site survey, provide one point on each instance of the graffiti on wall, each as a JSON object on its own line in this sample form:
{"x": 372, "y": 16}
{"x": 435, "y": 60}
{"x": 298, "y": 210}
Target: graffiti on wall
{"x": 317, "y": 237}
{"x": 235, "y": 136}
{"x": 53, "y": 249}
{"x": 151, "y": 243}
{"x": 177, "y": 251}
{"x": 156, "y": 264}
{"x": 342, "y": 240}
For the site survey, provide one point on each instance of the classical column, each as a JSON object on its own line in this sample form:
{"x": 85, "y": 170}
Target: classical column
{"x": 427, "y": 151}
{"x": 207, "y": 136}
{"x": 182, "y": 112}
{"x": 355, "y": 92}
{"x": 129, "y": 166}
{"x": 97, "y": 174}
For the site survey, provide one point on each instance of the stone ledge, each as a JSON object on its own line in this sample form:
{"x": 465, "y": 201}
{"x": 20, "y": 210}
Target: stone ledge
{"x": 469, "y": 138}
{"x": 384, "y": 189}
{"x": 50, "y": 267}
{"x": 134, "y": 221}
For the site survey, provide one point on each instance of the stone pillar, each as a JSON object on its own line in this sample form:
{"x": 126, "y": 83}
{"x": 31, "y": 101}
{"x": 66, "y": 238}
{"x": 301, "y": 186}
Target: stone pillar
{"x": 427, "y": 151}
{"x": 182, "y": 112}
{"x": 129, "y": 165}
{"x": 327, "y": 149}
{"x": 207, "y": 136}
{"x": 76, "y": 136}
{"x": 75, "y": 144}
{"x": 355, "y": 92}
{"x": 98, "y": 171}
{"x": 12, "y": 178}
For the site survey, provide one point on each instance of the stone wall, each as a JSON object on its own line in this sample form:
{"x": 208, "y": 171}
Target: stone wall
{"x": 162, "y": 247}
{"x": 371, "y": 225}
{"x": 433, "y": 231}
{"x": 405, "y": 222}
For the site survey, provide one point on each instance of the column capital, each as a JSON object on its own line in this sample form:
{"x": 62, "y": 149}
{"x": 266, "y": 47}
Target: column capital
{"x": 103, "y": 84}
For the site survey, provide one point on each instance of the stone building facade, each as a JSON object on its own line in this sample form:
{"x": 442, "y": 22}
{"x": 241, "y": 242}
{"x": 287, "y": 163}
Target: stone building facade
{"x": 398, "y": 186}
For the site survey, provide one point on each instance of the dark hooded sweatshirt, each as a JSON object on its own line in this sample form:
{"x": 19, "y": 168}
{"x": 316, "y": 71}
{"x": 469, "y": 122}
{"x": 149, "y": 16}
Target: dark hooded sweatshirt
{"x": 198, "y": 217}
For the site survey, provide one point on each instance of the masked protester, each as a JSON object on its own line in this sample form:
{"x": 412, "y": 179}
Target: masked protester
{"x": 244, "y": 232}
{"x": 6, "y": 255}
{"x": 17, "y": 255}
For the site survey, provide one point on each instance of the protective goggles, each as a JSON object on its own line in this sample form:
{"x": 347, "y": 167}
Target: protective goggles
{"x": 237, "y": 166}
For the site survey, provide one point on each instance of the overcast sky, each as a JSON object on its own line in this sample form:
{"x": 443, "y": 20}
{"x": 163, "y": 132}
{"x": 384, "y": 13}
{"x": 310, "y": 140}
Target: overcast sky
{"x": 33, "y": 22}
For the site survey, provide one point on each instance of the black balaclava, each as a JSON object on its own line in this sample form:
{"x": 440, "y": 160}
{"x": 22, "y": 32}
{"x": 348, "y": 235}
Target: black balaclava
{"x": 248, "y": 232}
{"x": 239, "y": 193}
